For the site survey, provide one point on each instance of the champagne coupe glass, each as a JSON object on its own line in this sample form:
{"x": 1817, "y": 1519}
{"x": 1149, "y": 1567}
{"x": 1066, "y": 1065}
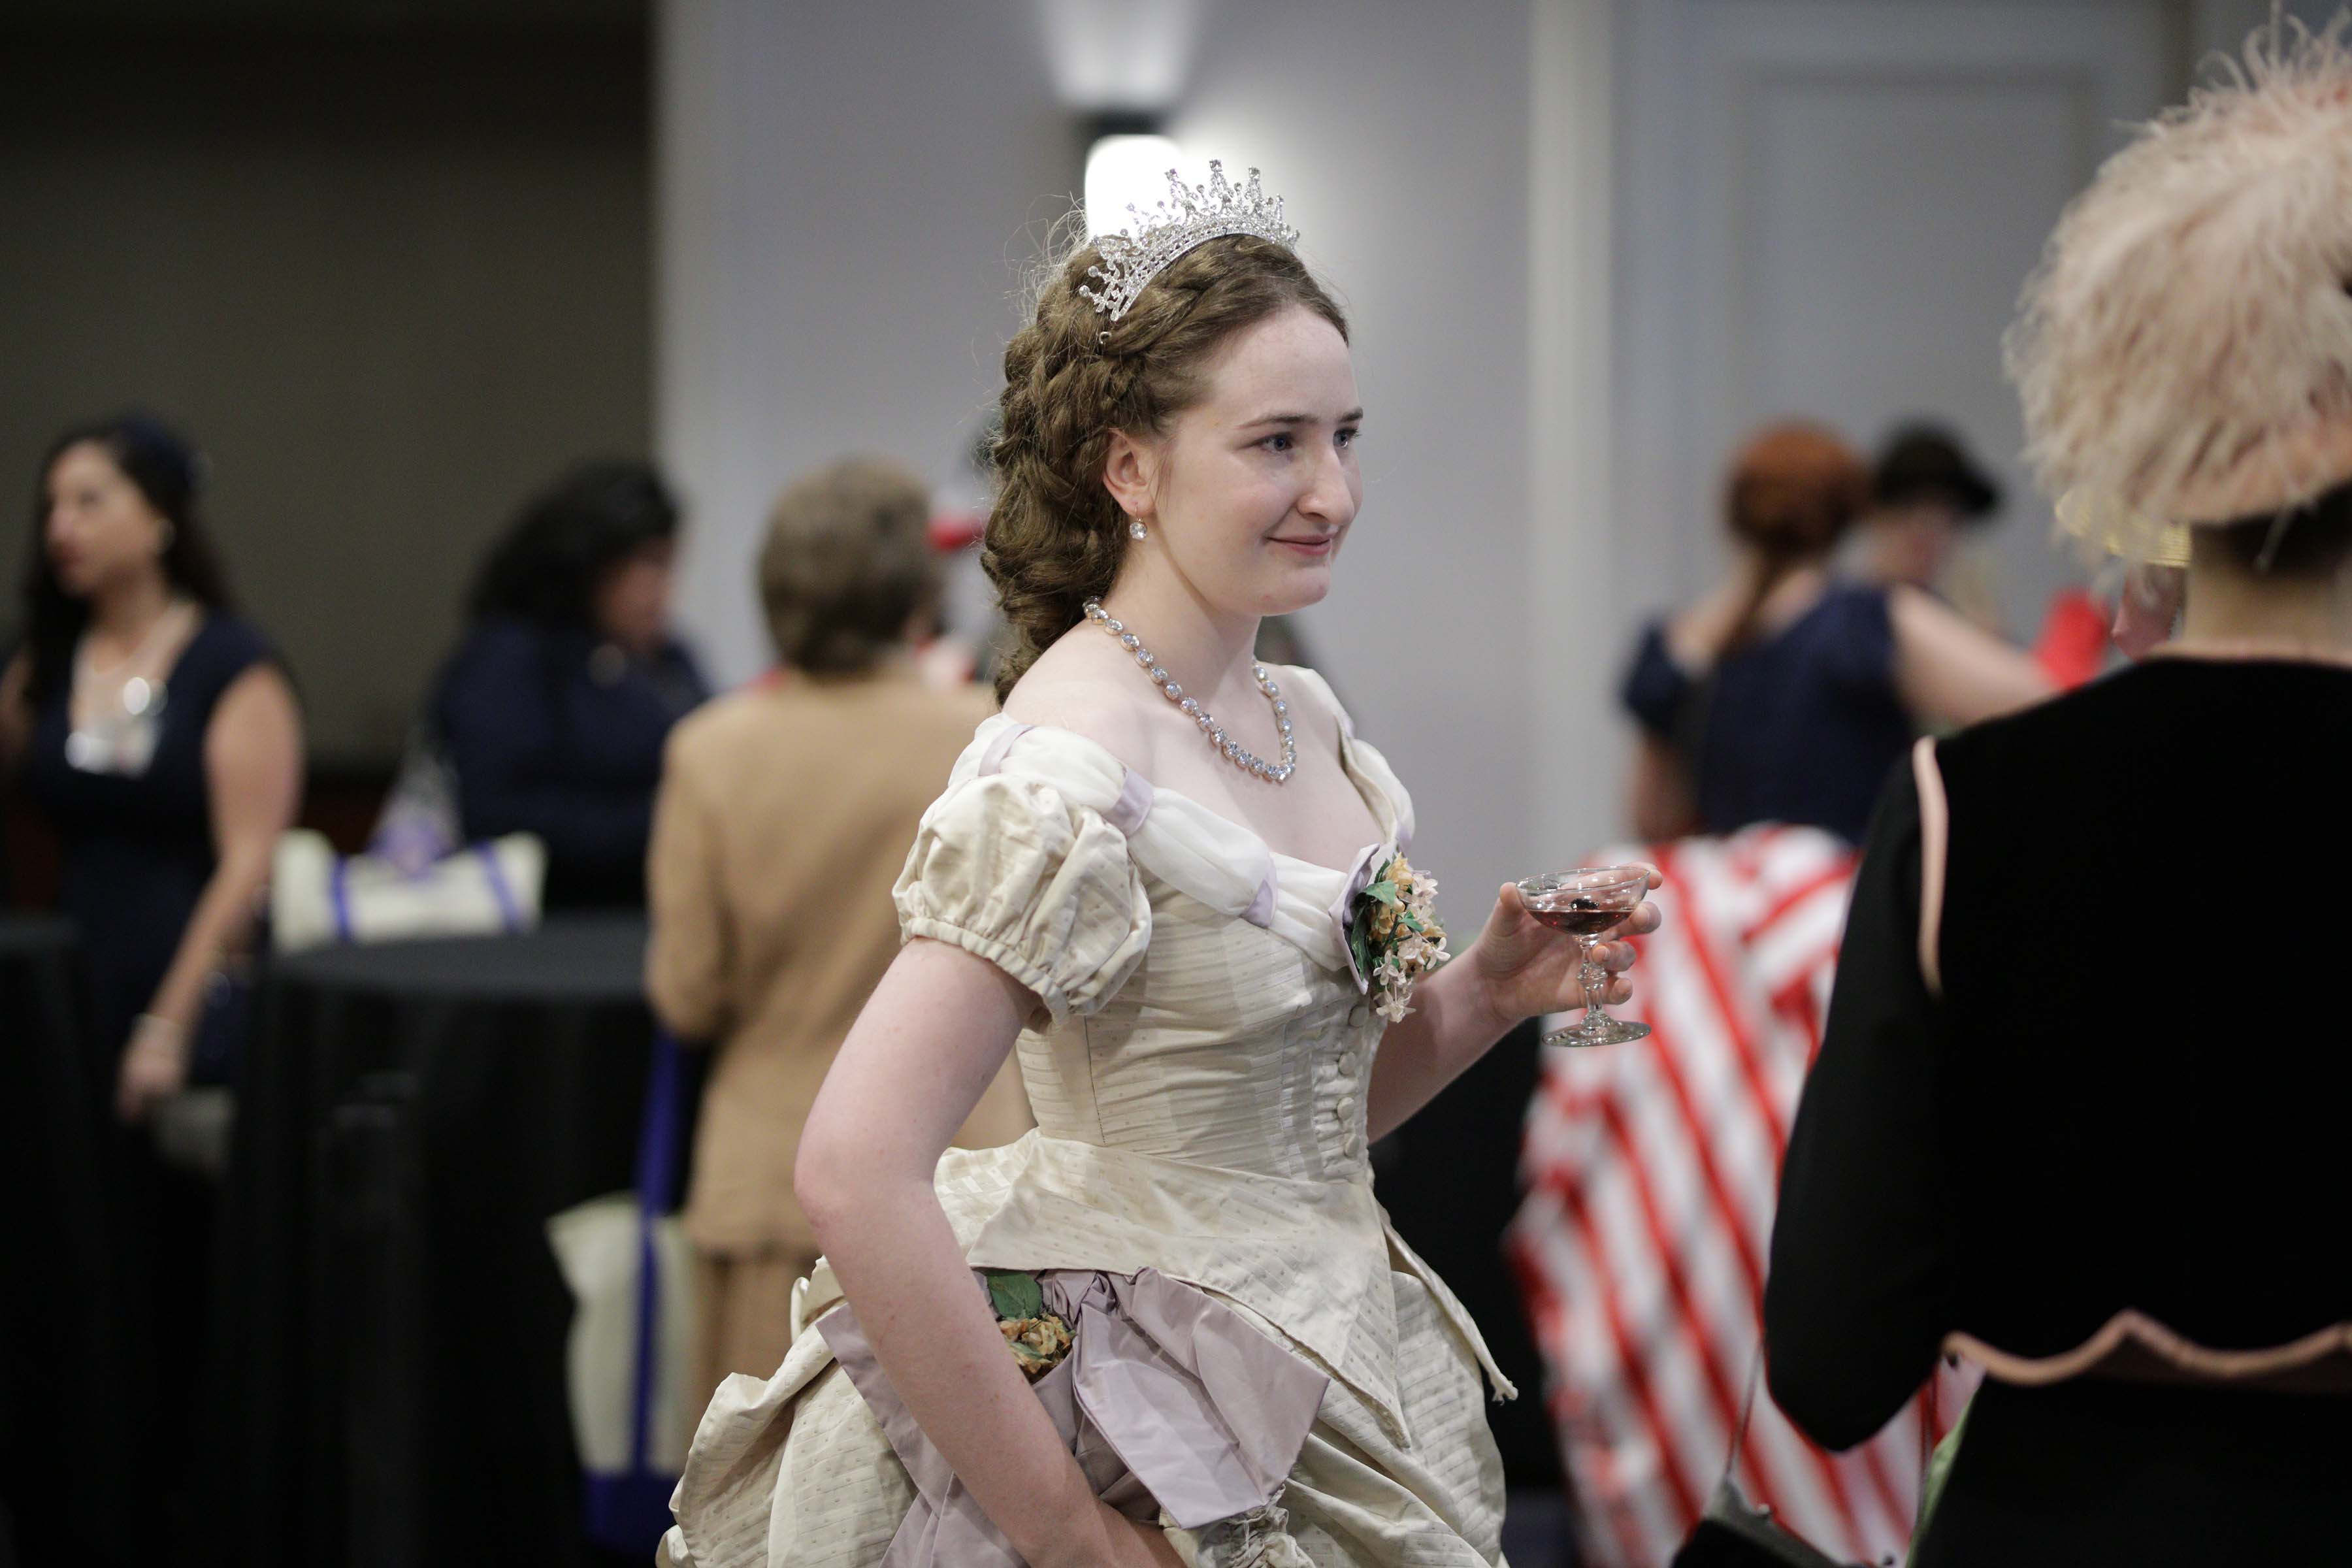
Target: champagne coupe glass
{"x": 1585, "y": 903}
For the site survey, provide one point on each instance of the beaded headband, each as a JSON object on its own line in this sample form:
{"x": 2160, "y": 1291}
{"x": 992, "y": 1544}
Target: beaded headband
{"x": 1190, "y": 217}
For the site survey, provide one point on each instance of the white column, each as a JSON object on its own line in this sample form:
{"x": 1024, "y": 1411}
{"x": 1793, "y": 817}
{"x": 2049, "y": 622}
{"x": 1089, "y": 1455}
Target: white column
{"x": 1577, "y": 611}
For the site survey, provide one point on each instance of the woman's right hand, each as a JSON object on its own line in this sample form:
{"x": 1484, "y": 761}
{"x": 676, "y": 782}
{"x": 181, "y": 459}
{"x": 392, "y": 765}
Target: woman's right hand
{"x": 154, "y": 1067}
{"x": 930, "y": 1040}
{"x": 1132, "y": 1544}
{"x": 1156, "y": 1549}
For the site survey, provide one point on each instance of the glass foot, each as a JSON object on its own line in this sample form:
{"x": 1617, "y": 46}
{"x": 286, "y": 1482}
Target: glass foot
{"x": 1598, "y": 1029}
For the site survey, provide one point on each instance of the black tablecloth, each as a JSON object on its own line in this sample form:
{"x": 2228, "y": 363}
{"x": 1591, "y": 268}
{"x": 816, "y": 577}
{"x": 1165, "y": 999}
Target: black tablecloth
{"x": 1449, "y": 1180}
{"x": 54, "y": 1365}
{"x": 388, "y": 1386}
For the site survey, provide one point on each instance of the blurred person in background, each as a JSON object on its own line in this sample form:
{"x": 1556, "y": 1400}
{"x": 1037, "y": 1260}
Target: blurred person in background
{"x": 1927, "y": 494}
{"x": 785, "y": 814}
{"x": 2041, "y": 1149}
{"x": 1786, "y": 695}
{"x": 159, "y": 732}
{"x": 552, "y": 713}
{"x": 1924, "y": 492}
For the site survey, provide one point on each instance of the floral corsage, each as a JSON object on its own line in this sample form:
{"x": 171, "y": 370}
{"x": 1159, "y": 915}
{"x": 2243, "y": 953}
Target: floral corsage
{"x": 1039, "y": 1338}
{"x": 1394, "y": 935}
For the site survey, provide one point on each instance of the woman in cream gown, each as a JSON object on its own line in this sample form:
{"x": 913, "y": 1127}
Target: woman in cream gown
{"x": 1262, "y": 1373}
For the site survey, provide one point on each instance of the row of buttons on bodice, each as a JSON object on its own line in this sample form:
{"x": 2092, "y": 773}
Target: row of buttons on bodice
{"x": 1342, "y": 1076}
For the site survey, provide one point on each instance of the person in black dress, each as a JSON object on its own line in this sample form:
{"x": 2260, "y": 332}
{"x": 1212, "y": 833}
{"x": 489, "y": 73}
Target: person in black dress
{"x": 1784, "y": 695}
{"x": 159, "y": 735}
{"x": 2068, "y": 1119}
{"x": 554, "y": 708}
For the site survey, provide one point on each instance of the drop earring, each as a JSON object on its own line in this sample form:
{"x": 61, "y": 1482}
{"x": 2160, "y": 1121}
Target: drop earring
{"x": 1135, "y": 528}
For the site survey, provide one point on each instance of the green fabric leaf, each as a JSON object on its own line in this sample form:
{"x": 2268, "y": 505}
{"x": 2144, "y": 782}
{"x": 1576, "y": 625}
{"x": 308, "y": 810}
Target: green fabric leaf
{"x": 1386, "y": 892}
{"x": 1014, "y": 1294}
{"x": 1412, "y": 923}
{"x": 1359, "y": 944}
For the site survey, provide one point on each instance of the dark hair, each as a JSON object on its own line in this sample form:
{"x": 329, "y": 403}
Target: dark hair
{"x": 547, "y": 567}
{"x": 1924, "y": 462}
{"x": 1072, "y": 376}
{"x": 846, "y": 566}
{"x": 2307, "y": 541}
{"x": 169, "y": 475}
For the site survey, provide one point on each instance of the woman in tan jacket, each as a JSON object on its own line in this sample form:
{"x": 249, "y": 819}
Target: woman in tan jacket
{"x": 786, "y": 812}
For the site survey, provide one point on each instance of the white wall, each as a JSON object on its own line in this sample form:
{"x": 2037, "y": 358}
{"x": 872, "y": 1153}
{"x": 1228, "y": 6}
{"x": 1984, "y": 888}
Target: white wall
{"x": 841, "y": 199}
{"x": 844, "y": 196}
{"x": 1397, "y": 133}
{"x": 1830, "y": 206}
{"x": 1584, "y": 243}
{"x": 1821, "y": 207}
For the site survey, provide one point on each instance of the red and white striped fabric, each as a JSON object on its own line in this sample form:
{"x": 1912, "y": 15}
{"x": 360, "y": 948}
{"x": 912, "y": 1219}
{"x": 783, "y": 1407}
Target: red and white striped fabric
{"x": 1651, "y": 1173}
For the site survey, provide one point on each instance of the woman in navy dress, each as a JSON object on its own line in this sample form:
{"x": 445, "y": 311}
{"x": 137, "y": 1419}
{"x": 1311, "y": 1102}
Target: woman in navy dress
{"x": 554, "y": 708}
{"x": 1785, "y": 695}
{"x": 159, "y": 733}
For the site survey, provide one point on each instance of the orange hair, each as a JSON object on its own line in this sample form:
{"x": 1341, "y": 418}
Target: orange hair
{"x": 1794, "y": 489}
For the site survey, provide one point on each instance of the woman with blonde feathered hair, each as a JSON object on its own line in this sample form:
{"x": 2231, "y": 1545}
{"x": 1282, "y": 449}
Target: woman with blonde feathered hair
{"x": 2043, "y": 1153}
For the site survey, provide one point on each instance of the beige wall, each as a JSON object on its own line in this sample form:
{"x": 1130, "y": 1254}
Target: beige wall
{"x": 390, "y": 280}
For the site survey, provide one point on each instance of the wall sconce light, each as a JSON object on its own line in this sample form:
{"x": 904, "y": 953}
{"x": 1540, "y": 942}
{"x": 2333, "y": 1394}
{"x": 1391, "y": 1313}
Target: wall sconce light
{"x": 1128, "y": 160}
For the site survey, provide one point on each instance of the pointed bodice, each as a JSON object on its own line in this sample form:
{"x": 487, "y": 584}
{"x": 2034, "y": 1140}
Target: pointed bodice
{"x": 1200, "y": 1070}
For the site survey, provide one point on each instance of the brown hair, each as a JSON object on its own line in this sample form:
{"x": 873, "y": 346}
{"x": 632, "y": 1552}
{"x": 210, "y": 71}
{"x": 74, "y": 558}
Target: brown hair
{"x": 1793, "y": 491}
{"x": 848, "y": 565}
{"x": 1055, "y": 537}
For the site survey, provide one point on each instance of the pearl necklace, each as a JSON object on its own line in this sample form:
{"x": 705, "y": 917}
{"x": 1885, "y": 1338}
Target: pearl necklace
{"x": 1234, "y": 751}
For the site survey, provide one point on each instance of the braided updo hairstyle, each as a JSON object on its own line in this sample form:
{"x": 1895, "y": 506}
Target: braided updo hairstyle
{"x": 1073, "y": 375}
{"x": 1794, "y": 490}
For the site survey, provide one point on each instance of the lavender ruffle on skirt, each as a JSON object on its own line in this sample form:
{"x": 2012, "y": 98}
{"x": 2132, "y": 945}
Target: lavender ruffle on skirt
{"x": 1172, "y": 1403}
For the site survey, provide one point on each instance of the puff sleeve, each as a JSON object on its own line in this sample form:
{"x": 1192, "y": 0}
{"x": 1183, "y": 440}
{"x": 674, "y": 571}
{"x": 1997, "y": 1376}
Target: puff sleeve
{"x": 1656, "y": 687}
{"x": 1010, "y": 870}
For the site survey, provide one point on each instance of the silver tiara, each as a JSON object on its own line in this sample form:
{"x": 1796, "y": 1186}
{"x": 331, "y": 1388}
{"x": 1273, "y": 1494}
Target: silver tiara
{"x": 1193, "y": 214}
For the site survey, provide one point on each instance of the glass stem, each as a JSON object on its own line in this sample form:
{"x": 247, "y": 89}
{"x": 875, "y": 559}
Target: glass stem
{"x": 1595, "y": 981}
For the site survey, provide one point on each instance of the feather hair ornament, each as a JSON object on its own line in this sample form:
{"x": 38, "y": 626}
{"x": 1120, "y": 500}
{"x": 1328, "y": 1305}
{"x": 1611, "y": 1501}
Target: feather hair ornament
{"x": 2183, "y": 351}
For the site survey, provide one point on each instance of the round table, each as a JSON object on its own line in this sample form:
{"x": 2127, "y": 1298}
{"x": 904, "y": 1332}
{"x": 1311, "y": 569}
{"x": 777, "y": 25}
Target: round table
{"x": 389, "y": 1379}
{"x": 55, "y": 1446}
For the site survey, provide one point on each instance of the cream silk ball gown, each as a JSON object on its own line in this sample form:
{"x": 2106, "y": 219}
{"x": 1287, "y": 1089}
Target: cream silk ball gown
{"x": 1252, "y": 1335}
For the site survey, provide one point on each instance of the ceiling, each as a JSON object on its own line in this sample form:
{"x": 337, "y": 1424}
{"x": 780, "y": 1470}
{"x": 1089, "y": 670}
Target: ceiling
{"x": 328, "y": 16}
